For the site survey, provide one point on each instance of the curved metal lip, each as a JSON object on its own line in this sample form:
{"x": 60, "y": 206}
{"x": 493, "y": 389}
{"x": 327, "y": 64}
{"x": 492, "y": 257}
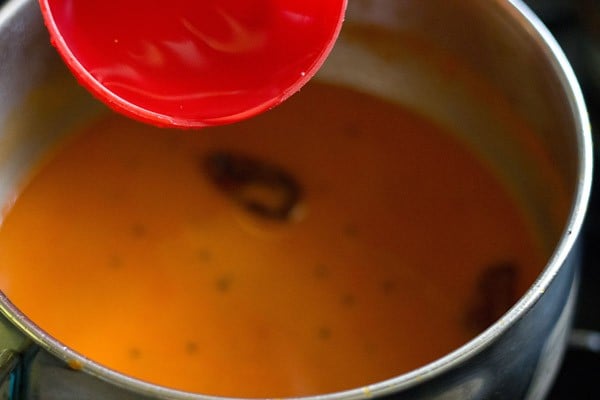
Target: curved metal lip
{"x": 527, "y": 20}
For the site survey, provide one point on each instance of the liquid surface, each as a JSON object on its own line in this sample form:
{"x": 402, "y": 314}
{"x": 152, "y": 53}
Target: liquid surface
{"x": 196, "y": 62}
{"x": 282, "y": 256}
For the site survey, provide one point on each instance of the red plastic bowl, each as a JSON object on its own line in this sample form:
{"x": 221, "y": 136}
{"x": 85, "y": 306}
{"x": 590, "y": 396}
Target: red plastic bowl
{"x": 193, "y": 63}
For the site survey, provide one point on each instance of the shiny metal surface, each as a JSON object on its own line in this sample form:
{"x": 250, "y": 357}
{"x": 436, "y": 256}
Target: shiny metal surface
{"x": 500, "y": 42}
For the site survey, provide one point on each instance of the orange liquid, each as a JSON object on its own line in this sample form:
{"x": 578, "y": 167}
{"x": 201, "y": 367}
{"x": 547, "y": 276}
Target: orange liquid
{"x": 124, "y": 249}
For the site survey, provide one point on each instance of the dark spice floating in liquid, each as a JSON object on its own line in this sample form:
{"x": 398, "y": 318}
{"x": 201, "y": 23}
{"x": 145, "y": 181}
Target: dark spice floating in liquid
{"x": 224, "y": 283}
{"x": 262, "y": 188}
{"x": 115, "y": 262}
{"x": 138, "y": 230}
{"x": 135, "y": 353}
{"x": 204, "y": 256}
{"x": 191, "y": 348}
{"x": 321, "y": 271}
{"x": 324, "y": 333}
{"x": 348, "y": 300}
{"x": 496, "y": 292}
